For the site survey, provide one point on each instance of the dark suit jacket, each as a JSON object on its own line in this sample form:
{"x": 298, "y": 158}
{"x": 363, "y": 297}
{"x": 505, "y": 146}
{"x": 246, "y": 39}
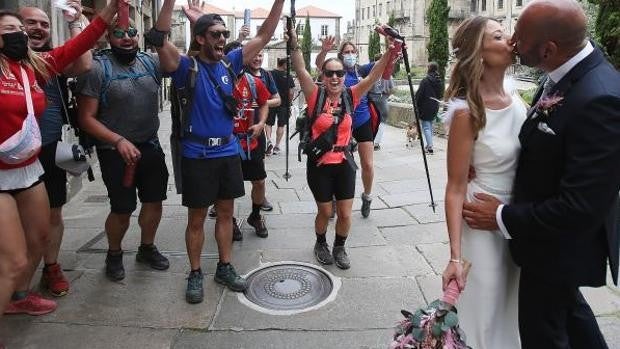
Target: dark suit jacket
{"x": 564, "y": 214}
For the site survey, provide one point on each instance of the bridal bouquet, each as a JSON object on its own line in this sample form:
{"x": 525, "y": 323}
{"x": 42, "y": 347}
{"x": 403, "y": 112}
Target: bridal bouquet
{"x": 433, "y": 327}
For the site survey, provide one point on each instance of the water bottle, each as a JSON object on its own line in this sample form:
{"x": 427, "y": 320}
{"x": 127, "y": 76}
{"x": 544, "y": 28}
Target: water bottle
{"x": 246, "y": 17}
{"x": 123, "y": 15}
{"x": 68, "y": 12}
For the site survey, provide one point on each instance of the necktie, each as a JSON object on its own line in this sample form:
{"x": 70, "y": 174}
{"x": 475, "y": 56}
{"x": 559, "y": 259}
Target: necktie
{"x": 547, "y": 86}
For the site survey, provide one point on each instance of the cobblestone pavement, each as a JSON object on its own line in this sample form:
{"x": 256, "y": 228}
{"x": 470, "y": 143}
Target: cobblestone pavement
{"x": 397, "y": 255}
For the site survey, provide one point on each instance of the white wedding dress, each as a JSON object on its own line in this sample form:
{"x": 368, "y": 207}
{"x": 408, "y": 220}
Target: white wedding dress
{"x": 488, "y": 305}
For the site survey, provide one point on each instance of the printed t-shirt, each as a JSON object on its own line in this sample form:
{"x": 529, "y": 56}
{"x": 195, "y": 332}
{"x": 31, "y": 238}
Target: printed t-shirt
{"x": 209, "y": 117}
{"x": 248, "y": 107}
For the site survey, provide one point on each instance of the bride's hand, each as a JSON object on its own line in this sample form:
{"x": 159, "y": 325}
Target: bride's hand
{"x": 453, "y": 271}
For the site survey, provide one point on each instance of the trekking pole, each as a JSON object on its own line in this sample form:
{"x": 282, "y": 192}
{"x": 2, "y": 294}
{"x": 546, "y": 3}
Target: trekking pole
{"x": 290, "y": 21}
{"x": 387, "y": 30}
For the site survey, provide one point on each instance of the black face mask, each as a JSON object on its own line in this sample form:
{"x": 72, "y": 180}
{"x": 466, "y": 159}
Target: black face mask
{"x": 124, "y": 56}
{"x": 15, "y": 45}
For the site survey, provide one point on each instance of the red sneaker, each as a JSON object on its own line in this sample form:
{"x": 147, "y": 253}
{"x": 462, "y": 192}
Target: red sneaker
{"x": 54, "y": 280}
{"x": 33, "y": 304}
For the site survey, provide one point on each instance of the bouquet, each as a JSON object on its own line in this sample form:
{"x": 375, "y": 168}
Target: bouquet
{"x": 433, "y": 327}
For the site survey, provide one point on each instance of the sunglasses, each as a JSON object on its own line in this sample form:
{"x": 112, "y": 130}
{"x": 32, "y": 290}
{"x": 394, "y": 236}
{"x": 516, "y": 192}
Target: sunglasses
{"x": 330, "y": 73}
{"x": 216, "y": 34}
{"x": 120, "y": 33}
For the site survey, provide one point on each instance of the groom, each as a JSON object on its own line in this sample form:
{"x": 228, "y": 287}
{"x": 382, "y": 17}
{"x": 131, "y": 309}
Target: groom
{"x": 563, "y": 220}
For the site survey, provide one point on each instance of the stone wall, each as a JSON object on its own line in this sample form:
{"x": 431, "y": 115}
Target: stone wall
{"x": 401, "y": 114}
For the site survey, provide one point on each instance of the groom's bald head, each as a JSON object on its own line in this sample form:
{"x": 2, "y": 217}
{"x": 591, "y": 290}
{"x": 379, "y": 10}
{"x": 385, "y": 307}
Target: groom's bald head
{"x": 550, "y": 31}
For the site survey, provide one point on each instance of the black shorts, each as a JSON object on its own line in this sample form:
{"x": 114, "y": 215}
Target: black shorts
{"x": 253, "y": 169}
{"x": 208, "y": 180}
{"x": 14, "y": 192}
{"x": 280, "y": 113}
{"x": 151, "y": 178}
{"x": 363, "y": 133}
{"x": 55, "y": 178}
{"x": 327, "y": 181}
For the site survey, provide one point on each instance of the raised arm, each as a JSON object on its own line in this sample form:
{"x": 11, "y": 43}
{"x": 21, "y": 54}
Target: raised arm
{"x": 377, "y": 70}
{"x": 169, "y": 57}
{"x": 265, "y": 33}
{"x": 297, "y": 60}
{"x": 85, "y": 61}
{"x": 327, "y": 44}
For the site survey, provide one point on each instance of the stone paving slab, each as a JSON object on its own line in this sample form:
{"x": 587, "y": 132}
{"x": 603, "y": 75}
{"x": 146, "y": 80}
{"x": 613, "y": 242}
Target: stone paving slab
{"x": 72, "y": 336}
{"x": 141, "y": 300}
{"x": 368, "y": 303}
{"x": 277, "y": 339}
{"x": 416, "y": 234}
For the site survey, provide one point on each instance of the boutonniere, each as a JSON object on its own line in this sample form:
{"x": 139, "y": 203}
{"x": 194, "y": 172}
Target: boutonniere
{"x": 547, "y": 104}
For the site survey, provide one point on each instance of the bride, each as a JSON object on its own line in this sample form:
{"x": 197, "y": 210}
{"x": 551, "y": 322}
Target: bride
{"x": 484, "y": 120}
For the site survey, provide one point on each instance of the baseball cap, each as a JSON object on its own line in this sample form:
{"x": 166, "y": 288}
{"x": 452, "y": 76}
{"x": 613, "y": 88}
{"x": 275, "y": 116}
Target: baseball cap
{"x": 205, "y": 21}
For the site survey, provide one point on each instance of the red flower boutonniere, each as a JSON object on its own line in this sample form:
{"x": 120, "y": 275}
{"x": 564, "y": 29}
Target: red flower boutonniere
{"x": 547, "y": 104}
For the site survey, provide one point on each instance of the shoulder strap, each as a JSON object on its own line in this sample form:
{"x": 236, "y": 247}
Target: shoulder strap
{"x": 347, "y": 100}
{"x": 188, "y": 96}
{"x": 250, "y": 78}
{"x": 149, "y": 63}
{"x": 318, "y": 106}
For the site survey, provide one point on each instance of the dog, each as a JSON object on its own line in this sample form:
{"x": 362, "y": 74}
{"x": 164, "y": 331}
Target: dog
{"x": 411, "y": 134}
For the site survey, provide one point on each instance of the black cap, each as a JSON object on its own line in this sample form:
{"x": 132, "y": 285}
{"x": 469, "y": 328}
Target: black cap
{"x": 205, "y": 21}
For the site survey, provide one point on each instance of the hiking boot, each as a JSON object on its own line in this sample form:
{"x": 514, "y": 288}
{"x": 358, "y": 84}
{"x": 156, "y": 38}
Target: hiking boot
{"x": 322, "y": 254}
{"x": 276, "y": 150}
{"x": 151, "y": 256}
{"x": 227, "y": 276}
{"x": 269, "y": 149}
{"x": 194, "y": 292}
{"x": 258, "y": 223}
{"x": 114, "y": 269}
{"x": 366, "y": 200}
{"x": 266, "y": 206}
{"x": 212, "y": 212}
{"x": 341, "y": 258}
{"x": 54, "y": 281}
{"x": 33, "y": 304}
{"x": 237, "y": 234}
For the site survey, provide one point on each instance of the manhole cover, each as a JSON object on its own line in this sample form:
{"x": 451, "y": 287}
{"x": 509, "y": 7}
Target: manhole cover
{"x": 286, "y": 288}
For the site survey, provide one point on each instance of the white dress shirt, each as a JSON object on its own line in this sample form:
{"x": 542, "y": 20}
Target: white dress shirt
{"x": 556, "y": 75}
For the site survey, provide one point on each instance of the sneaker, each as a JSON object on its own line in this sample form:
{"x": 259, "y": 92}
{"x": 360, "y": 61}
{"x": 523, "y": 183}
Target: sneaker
{"x": 237, "y": 234}
{"x": 54, "y": 281}
{"x": 114, "y": 269}
{"x": 151, "y": 256}
{"x": 194, "y": 292}
{"x": 366, "y": 200}
{"x": 269, "y": 149}
{"x": 377, "y": 147}
{"x": 212, "y": 212}
{"x": 259, "y": 225}
{"x": 429, "y": 150}
{"x": 227, "y": 276}
{"x": 33, "y": 304}
{"x": 341, "y": 258}
{"x": 276, "y": 150}
{"x": 266, "y": 206}
{"x": 322, "y": 254}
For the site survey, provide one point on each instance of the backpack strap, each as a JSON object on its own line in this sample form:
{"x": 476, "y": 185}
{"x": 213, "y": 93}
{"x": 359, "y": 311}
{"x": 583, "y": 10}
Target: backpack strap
{"x": 250, "y": 78}
{"x": 149, "y": 63}
{"x": 186, "y": 97}
{"x": 347, "y": 100}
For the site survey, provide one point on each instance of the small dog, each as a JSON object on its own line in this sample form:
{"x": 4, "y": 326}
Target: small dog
{"x": 411, "y": 132}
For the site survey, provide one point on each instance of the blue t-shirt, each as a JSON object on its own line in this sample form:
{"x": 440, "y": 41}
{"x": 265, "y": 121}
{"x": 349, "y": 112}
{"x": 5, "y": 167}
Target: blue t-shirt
{"x": 51, "y": 121}
{"x": 361, "y": 115}
{"x": 269, "y": 82}
{"x": 209, "y": 117}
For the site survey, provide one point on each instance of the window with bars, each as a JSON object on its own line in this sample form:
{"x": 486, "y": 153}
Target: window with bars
{"x": 374, "y": 10}
{"x": 500, "y": 4}
{"x": 380, "y": 9}
{"x": 324, "y": 30}
{"x": 483, "y": 6}
{"x": 519, "y": 2}
{"x": 300, "y": 28}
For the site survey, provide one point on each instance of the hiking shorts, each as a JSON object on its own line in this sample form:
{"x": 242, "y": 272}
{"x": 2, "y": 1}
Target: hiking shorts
{"x": 363, "y": 133}
{"x": 55, "y": 178}
{"x": 208, "y": 180}
{"x": 151, "y": 178}
{"x": 280, "y": 114}
{"x": 328, "y": 181}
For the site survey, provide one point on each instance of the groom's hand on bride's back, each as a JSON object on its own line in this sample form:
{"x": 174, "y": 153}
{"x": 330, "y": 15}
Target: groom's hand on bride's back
{"x": 480, "y": 214}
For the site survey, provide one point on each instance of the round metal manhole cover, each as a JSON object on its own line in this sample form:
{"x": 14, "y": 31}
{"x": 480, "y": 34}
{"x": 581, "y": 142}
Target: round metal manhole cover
{"x": 286, "y": 288}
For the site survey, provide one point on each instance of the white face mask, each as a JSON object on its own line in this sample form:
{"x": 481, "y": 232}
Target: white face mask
{"x": 349, "y": 60}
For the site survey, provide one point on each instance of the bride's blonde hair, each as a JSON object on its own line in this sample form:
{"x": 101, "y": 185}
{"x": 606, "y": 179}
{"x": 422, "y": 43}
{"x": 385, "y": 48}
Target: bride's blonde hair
{"x": 467, "y": 72}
